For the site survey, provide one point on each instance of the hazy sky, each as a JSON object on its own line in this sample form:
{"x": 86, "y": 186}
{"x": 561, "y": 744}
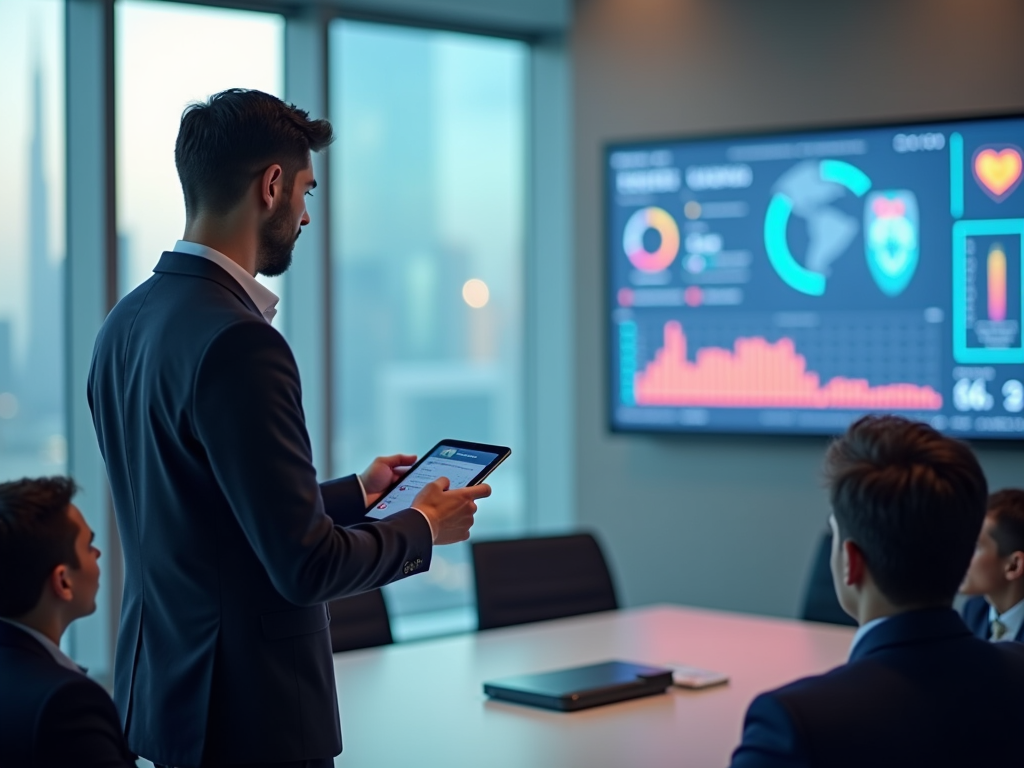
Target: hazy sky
{"x": 169, "y": 55}
{"x": 31, "y": 32}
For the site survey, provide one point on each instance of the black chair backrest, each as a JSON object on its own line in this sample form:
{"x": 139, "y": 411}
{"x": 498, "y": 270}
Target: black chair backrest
{"x": 820, "y": 601}
{"x": 524, "y": 580}
{"x": 359, "y": 621}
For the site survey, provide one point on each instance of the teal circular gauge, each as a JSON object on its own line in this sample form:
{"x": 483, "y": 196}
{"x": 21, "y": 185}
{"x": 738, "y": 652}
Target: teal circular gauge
{"x": 776, "y": 221}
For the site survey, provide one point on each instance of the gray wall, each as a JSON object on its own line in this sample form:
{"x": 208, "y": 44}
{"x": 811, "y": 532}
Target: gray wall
{"x": 731, "y": 522}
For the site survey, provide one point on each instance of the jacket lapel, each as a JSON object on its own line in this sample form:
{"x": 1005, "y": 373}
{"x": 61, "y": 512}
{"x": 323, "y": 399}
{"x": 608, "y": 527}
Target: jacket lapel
{"x": 196, "y": 266}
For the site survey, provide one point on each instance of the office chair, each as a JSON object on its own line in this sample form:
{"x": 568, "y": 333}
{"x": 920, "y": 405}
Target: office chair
{"x": 523, "y": 580}
{"x": 359, "y": 621}
{"x": 820, "y": 601}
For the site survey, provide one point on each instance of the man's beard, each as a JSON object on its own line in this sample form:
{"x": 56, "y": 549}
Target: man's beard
{"x": 277, "y": 239}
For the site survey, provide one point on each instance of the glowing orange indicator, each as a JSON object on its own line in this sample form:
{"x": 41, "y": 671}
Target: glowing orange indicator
{"x": 996, "y": 282}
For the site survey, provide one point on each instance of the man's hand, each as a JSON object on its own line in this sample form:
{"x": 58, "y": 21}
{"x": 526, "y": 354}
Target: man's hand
{"x": 449, "y": 512}
{"x": 384, "y": 471}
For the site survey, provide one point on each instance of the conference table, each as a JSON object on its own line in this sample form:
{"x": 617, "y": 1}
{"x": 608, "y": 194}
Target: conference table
{"x": 422, "y": 703}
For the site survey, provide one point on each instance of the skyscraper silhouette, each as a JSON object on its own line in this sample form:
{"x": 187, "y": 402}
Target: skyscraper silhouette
{"x": 42, "y": 377}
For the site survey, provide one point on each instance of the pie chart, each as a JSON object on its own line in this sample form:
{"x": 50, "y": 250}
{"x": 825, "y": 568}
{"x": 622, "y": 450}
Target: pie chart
{"x": 661, "y": 221}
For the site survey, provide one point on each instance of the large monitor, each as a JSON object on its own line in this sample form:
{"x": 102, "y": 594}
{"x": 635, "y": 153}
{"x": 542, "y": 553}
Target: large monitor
{"x": 791, "y": 282}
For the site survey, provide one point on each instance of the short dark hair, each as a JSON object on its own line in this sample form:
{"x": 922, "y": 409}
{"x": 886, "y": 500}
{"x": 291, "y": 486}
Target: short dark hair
{"x": 912, "y": 500}
{"x": 226, "y": 141}
{"x": 1006, "y": 508}
{"x": 36, "y": 535}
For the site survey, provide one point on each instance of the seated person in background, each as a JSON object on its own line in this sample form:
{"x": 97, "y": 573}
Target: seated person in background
{"x": 51, "y": 714}
{"x": 996, "y": 573}
{"x": 919, "y": 688}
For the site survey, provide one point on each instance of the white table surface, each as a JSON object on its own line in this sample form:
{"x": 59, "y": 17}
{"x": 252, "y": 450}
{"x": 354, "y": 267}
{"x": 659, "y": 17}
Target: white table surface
{"x": 422, "y": 704}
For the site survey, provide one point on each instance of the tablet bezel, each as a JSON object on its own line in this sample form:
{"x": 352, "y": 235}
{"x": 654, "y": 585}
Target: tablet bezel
{"x": 503, "y": 452}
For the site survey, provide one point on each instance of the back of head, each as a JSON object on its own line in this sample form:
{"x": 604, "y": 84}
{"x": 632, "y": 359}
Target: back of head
{"x": 912, "y": 500}
{"x": 1006, "y": 508}
{"x": 226, "y": 142}
{"x": 36, "y": 535}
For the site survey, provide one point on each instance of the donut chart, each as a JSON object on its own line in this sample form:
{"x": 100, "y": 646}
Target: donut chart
{"x": 661, "y": 222}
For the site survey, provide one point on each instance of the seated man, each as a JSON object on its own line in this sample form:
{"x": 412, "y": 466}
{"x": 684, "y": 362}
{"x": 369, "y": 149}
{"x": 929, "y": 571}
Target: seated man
{"x": 996, "y": 574}
{"x": 51, "y": 714}
{"x": 919, "y": 688}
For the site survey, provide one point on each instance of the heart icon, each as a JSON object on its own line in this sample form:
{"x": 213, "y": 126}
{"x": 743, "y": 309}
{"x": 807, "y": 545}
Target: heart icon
{"x": 998, "y": 171}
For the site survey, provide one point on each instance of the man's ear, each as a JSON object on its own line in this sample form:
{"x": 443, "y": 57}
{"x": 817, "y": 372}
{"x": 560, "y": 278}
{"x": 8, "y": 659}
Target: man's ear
{"x": 1013, "y": 568}
{"x": 59, "y": 583}
{"x": 854, "y": 564}
{"x": 270, "y": 185}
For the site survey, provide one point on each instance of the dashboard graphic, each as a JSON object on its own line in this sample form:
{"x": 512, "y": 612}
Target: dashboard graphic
{"x": 790, "y": 283}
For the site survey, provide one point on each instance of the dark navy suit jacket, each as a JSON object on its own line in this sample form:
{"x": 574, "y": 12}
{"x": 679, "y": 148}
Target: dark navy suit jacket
{"x": 51, "y": 716}
{"x": 919, "y": 690}
{"x": 231, "y": 547}
{"x": 975, "y": 614}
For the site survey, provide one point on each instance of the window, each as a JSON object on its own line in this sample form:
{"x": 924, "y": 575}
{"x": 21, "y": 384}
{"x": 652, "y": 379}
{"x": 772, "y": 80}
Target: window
{"x": 169, "y": 55}
{"x": 32, "y": 430}
{"x": 428, "y": 234}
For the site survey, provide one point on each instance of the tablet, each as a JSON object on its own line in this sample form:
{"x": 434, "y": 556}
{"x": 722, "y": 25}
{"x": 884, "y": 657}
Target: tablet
{"x": 463, "y": 463}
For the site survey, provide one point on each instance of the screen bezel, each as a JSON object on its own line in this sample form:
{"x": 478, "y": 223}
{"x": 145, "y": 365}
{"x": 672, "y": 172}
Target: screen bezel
{"x": 503, "y": 452}
{"x": 615, "y": 145}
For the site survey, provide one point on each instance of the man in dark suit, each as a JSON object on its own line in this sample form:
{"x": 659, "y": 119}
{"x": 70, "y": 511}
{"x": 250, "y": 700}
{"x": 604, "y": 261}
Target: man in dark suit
{"x": 996, "y": 574}
{"x": 51, "y": 714}
{"x": 919, "y": 688}
{"x": 231, "y": 546}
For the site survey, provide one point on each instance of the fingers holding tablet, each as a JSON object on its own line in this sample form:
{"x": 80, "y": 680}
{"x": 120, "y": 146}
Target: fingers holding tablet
{"x": 450, "y": 511}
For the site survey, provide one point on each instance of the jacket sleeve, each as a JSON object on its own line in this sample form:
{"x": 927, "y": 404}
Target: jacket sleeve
{"x": 343, "y": 499}
{"x": 247, "y": 414}
{"x": 769, "y": 737}
{"x": 79, "y": 726}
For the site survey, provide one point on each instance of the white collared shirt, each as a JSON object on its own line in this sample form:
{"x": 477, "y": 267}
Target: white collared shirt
{"x": 51, "y": 647}
{"x": 264, "y": 298}
{"x": 1012, "y": 620}
{"x": 863, "y": 630}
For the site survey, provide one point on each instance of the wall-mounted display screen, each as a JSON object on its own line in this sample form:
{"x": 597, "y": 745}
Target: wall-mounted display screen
{"x": 789, "y": 283}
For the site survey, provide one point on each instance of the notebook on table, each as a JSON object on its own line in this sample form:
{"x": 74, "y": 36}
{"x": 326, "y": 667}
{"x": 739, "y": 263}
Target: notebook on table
{"x": 568, "y": 690}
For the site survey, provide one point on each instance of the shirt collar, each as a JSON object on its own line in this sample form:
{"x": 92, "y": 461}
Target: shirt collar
{"x": 863, "y": 630}
{"x": 264, "y": 298}
{"x": 1012, "y": 619}
{"x": 58, "y": 655}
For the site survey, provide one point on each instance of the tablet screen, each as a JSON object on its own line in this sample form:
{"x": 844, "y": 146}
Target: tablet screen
{"x": 459, "y": 465}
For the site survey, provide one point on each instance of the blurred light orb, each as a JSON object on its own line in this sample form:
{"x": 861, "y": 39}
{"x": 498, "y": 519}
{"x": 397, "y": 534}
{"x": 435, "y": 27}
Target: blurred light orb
{"x": 476, "y": 293}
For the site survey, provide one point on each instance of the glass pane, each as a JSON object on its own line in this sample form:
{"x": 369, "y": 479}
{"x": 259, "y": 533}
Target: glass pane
{"x": 32, "y": 441}
{"x": 428, "y": 185}
{"x": 169, "y": 55}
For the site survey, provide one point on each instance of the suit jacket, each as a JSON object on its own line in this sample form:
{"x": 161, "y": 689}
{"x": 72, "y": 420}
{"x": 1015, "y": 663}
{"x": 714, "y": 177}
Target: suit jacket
{"x": 51, "y": 715}
{"x": 231, "y": 548}
{"x": 919, "y": 690}
{"x": 975, "y": 613}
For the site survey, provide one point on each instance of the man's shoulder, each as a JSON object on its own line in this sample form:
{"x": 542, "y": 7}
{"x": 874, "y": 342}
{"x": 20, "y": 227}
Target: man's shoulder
{"x": 35, "y": 681}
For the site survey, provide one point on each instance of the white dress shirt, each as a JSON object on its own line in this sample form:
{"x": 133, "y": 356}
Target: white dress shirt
{"x": 48, "y": 644}
{"x": 863, "y": 630}
{"x": 264, "y": 298}
{"x": 1012, "y": 620}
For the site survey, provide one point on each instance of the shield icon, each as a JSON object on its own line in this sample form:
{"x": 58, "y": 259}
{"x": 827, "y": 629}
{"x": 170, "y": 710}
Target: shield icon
{"x": 891, "y": 242}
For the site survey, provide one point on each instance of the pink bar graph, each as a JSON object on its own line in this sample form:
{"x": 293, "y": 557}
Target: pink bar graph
{"x": 760, "y": 374}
